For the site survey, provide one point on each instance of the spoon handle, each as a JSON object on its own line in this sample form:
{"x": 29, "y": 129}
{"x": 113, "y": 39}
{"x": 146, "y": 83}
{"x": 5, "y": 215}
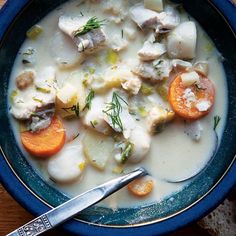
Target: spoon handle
{"x": 72, "y": 207}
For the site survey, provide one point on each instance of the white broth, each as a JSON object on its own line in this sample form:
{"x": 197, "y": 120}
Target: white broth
{"x": 170, "y": 148}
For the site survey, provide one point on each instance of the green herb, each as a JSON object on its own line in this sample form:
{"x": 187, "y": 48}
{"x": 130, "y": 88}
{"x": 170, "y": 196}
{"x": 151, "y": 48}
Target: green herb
{"x": 34, "y": 32}
{"x": 158, "y": 63}
{"x": 126, "y": 152}
{"x": 74, "y": 108}
{"x": 92, "y": 23}
{"x": 76, "y": 136}
{"x": 122, "y": 33}
{"x": 89, "y": 99}
{"x": 37, "y": 100}
{"x": 216, "y": 121}
{"x": 43, "y": 90}
{"x": 114, "y": 109}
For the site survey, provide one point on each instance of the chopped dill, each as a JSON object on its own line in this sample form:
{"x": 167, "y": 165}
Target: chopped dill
{"x": 76, "y": 136}
{"x": 74, "y": 108}
{"x": 92, "y": 23}
{"x": 113, "y": 110}
{"x": 126, "y": 152}
{"x": 216, "y": 121}
{"x": 89, "y": 99}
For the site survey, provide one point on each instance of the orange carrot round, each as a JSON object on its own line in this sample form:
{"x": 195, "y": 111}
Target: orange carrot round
{"x": 141, "y": 187}
{"x": 46, "y": 142}
{"x": 204, "y": 91}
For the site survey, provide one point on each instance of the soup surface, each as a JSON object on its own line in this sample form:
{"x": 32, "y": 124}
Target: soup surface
{"x": 101, "y": 87}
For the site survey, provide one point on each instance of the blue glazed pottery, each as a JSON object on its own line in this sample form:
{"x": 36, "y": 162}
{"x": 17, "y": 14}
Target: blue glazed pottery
{"x": 218, "y": 18}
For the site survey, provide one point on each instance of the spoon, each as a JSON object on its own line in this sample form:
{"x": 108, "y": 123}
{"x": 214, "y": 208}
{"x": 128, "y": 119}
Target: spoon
{"x": 72, "y": 207}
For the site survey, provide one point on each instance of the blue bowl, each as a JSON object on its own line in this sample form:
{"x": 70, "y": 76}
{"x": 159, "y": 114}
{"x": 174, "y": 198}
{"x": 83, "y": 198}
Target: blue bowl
{"x": 218, "y": 18}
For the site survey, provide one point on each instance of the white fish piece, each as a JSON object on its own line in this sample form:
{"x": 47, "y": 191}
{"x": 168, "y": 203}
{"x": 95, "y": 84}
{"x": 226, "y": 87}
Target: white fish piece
{"x": 39, "y": 123}
{"x": 94, "y": 118}
{"x": 64, "y": 51}
{"x": 151, "y": 51}
{"x": 193, "y": 129}
{"x": 68, "y": 165}
{"x": 96, "y": 37}
{"x": 45, "y": 80}
{"x": 167, "y": 20}
{"x": 97, "y": 40}
{"x": 117, "y": 43}
{"x": 181, "y": 42}
{"x": 23, "y": 107}
{"x": 154, "y": 71}
{"x": 142, "y": 141}
{"x": 132, "y": 85}
{"x": 144, "y": 18}
{"x": 43, "y": 94}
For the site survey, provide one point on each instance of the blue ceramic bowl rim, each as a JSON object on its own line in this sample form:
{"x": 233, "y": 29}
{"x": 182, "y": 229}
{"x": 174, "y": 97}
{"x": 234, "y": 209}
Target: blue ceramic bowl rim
{"x": 35, "y": 206}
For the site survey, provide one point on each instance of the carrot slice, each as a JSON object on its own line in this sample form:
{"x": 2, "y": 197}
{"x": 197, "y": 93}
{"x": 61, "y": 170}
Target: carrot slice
{"x": 46, "y": 142}
{"x": 141, "y": 187}
{"x": 185, "y": 108}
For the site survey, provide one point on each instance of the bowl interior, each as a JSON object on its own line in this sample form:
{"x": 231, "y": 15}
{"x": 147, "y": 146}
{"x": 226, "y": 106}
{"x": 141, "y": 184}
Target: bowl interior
{"x": 219, "y": 32}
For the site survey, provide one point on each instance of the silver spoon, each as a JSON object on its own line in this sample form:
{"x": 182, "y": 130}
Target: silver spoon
{"x": 72, "y": 207}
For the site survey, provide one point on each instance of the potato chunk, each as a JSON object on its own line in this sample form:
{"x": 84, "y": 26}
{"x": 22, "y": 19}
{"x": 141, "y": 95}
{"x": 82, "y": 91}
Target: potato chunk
{"x": 98, "y": 149}
{"x": 158, "y": 117}
{"x": 66, "y": 99}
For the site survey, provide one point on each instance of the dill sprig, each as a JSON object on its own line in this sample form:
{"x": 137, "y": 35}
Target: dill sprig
{"x": 74, "y": 108}
{"x": 92, "y": 23}
{"x": 216, "y": 121}
{"x": 114, "y": 109}
{"x": 89, "y": 99}
{"x": 126, "y": 152}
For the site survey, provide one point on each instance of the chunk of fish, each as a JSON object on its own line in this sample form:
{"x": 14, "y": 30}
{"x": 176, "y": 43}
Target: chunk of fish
{"x": 89, "y": 42}
{"x": 132, "y": 85}
{"x": 154, "y": 71}
{"x": 144, "y": 18}
{"x": 151, "y": 51}
{"x": 141, "y": 144}
{"x": 94, "y": 118}
{"x": 167, "y": 20}
{"x": 43, "y": 94}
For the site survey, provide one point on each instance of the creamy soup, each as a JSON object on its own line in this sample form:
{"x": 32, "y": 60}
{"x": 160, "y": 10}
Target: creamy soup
{"x": 101, "y": 87}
